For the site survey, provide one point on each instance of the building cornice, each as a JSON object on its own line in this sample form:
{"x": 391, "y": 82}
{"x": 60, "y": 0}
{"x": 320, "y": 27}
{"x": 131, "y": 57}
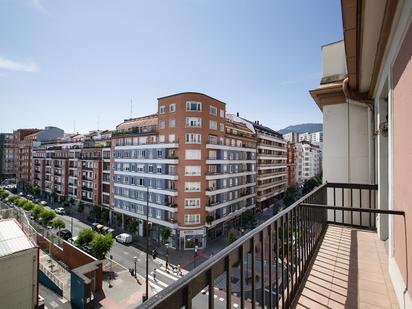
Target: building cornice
{"x": 328, "y": 94}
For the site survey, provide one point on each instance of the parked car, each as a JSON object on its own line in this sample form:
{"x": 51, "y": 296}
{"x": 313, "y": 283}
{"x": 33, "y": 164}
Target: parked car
{"x": 110, "y": 231}
{"x": 65, "y": 234}
{"x": 124, "y": 238}
{"x": 37, "y": 201}
{"x": 60, "y": 211}
{"x": 104, "y": 229}
{"x": 43, "y": 203}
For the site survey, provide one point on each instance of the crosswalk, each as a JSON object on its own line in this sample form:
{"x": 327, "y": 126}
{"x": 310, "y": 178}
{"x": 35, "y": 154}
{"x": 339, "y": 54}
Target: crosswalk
{"x": 163, "y": 279}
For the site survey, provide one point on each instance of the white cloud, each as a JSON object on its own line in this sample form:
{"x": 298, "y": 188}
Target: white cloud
{"x": 38, "y": 5}
{"x": 10, "y": 65}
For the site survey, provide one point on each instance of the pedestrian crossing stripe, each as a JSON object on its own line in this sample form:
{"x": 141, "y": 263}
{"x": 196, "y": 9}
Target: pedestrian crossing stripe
{"x": 157, "y": 281}
{"x": 155, "y": 286}
{"x": 164, "y": 273}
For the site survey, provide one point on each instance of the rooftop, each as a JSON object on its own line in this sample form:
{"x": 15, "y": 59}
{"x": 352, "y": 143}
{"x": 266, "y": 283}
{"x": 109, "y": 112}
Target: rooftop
{"x": 12, "y": 238}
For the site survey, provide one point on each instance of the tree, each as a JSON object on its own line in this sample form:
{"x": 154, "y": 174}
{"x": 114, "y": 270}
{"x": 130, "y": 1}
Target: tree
{"x": 96, "y": 211}
{"x": 58, "y": 224}
{"x": 29, "y": 205}
{"x": 80, "y": 207}
{"x": 85, "y": 236}
{"x": 165, "y": 234}
{"x": 105, "y": 215}
{"x": 101, "y": 245}
{"x": 232, "y": 235}
{"x": 37, "y": 211}
{"x": 47, "y": 216}
{"x": 132, "y": 224}
{"x": 310, "y": 184}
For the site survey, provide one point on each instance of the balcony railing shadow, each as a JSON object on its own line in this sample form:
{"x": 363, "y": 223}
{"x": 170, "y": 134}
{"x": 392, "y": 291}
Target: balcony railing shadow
{"x": 289, "y": 256}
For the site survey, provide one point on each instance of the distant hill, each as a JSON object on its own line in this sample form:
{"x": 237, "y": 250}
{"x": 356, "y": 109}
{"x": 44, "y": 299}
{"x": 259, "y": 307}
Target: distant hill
{"x": 301, "y": 128}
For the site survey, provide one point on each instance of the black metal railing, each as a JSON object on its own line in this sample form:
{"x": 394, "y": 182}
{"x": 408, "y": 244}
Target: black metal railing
{"x": 270, "y": 262}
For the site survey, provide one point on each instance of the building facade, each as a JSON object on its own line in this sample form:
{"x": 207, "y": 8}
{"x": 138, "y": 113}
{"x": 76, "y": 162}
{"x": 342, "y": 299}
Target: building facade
{"x": 365, "y": 96}
{"x": 194, "y": 167}
{"x": 272, "y": 170}
{"x": 291, "y": 163}
{"x": 7, "y": 156}
{"x": 308, "y": 161}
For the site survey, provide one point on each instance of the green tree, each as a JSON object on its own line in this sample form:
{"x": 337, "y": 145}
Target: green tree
{"x": 165, "y": 234}
{"x": 309, "y": 185}
{"x": 101, "y": 244}
{"x": 85, "y": 236}
{"x": 29, "y": 205}
{"x": 37, "y": 211}
{"x": 132, "y": 225}
{"x": 105, "y": 215}
{"x": 58, "y": 223}
{"x": 232, "y": 235}
{"x": 80, "y": 207}
{"x": 47, "y": 216}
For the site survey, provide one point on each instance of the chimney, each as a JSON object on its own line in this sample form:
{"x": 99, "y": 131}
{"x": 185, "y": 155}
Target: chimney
{"x": 237, "y": 114}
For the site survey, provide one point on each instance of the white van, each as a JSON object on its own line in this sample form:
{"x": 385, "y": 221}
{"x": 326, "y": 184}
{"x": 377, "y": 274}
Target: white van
{"x": 124, "y": 238}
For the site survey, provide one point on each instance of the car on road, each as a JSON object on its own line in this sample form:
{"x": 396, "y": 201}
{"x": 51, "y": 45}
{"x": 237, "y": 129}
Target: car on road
{"x": 43, "y": 203}
{"x": 37, "y": 201}
{"x": 60, "y": 211}
{"x": 65, "y": 234}
{"x": 124, "y": 238}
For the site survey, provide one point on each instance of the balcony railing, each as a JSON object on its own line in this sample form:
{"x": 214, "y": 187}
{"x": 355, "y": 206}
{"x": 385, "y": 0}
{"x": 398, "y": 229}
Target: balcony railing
{"x": 271, "y": 262}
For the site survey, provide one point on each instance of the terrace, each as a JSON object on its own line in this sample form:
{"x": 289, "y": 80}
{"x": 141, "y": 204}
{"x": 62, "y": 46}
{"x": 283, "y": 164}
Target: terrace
{"x": 320, "y": 252}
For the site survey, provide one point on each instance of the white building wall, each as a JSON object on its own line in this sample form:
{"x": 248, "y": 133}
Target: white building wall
{"x": 18, "y": 280}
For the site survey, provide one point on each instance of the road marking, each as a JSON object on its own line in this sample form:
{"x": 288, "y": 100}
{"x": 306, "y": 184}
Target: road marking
{"x": 164, "y": 273}
{"x": 158, "y": 281}
{"x": 63, "y": 300}
{"x": 235, "y": 305}
{"x": 156, "y": 287}
{"x": 215, "y": 296}
{"x": 54, "y": 304}
{"x": 125, "y": 252}
{"x": 221, "y": 299}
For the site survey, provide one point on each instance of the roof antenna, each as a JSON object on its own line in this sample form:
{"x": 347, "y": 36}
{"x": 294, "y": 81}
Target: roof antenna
{"x": 98, "y": 122}
{"x": 131, "y": 108}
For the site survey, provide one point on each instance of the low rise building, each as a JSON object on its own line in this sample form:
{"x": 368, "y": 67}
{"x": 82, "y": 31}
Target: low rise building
{"x": 19, "y": 259}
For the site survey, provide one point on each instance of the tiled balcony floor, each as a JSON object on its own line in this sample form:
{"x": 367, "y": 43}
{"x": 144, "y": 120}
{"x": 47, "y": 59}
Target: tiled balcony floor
{"x": 350, "y": 271}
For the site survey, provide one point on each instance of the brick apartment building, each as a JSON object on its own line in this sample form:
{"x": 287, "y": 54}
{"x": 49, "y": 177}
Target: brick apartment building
{"x": 7, "y": 157}
{"x": 199, "y": 167}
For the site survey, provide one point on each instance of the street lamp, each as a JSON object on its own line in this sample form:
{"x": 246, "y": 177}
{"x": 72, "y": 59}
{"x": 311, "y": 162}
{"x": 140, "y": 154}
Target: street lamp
{"x": 111, "y": 271}
{"x": 135, "y": 262}
{"x": 167, "y": 254}
{"x": 146, "y": 296}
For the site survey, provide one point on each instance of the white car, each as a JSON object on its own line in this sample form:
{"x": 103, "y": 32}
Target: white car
{"x": 124, "y": 238}
{"x": 60, "y": 211}
{"x": 43, "y": 203}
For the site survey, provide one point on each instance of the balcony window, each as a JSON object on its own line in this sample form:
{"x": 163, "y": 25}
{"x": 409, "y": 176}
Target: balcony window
{"x": 172, "y": 107}
{"x": 192, "y": 170}
{"x": 193, "y": 122}
{"x": 212, "y": 125}
{"x": 192, "y": 219}
{"x": 212, "y": 110}
{"x": 192, "y": 203}
{"x": 162, "y": 109}
{"x": 192, "y": 186}
{"x": 193, "y": 106}
{"x": 193, "y": 138}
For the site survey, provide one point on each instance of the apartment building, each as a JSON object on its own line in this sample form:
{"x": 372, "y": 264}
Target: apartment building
{"x": 7, "y": 169}
{"x": 308, "y": 161}
{"x": 194, "y": 167}
{"x": 312, "y": 137}
{"x": 24, "y": 141}
{"x": 73, "y": 165}
{"x": 292, "y": 137}
{"x": 271, "y": 165}
{"x": 291, "y": 163}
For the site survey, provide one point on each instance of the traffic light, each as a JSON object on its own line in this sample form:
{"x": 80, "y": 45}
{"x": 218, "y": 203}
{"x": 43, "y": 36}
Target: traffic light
{"x": 154, "y": 254}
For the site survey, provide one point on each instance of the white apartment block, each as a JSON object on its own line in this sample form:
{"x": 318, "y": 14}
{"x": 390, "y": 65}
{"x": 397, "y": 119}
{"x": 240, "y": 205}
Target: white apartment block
{"x": 308, "y": 161}
{"x": 314, "y": 137}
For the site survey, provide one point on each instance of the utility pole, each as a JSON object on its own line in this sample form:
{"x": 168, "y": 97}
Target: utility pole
{"x": 146, "y": 297}
{"x": 71, "y": 225}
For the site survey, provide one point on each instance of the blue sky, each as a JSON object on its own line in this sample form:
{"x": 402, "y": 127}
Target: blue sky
{"x": 67, "y": 63}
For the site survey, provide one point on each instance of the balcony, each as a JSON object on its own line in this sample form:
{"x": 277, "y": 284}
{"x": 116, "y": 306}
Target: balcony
{"x": 320, "y": 252}
{"x": 85, "y": 188}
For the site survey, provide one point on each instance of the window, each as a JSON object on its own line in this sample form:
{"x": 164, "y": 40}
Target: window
{"x": 192, "y": 170}
{"x": 140, "y": 168}
{"x": 162, "y": 109}
{"x": 161, "y": 138}
{"x": 192, "y": 219}
{"x": 193, "y": 106}
{"x": 193, "y": 138}
{"x": 222, "y": 113}
{"x": 172, "y": 138}
{"x": 172, "y": 107}
{"x": 162, "y": 124}
{"x": 193, "y": 122}
{"x": 192, "y": 154}
{"x": 150, "y": 169}
{"x": 212, "y": 125}
{"x": 192, "y": 202}
{"x": 212, "y": 110}
{"x": 192, "y": 186}
{"x": 222, "y": 127}
{"x": 172, "y": 123}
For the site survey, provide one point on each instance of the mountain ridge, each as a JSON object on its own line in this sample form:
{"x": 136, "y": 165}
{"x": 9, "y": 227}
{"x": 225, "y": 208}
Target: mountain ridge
{"x": 302, "y": 128}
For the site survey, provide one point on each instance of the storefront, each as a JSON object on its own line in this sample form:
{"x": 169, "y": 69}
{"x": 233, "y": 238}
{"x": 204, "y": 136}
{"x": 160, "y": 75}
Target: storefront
{"x": 191, "y": 238}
